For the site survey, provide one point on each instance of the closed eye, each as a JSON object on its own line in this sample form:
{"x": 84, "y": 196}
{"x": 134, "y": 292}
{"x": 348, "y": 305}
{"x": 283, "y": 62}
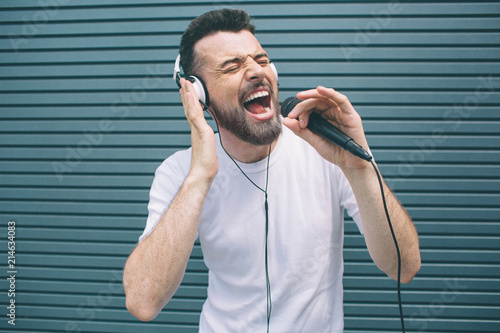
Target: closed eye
{"x": 263, "y": 61}
{"x": 232, "y": 69}
{"x": 236, "y": 63}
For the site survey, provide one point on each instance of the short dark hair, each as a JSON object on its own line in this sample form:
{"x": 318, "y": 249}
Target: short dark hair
{"x": 233, "y": 20}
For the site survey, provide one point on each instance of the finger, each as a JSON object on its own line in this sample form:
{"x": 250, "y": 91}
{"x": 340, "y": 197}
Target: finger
{"x": 185, "y": 89}
{"x": 184, "y": 92}
{"x": 304, "y": 133}
{"x": 192, "y": 108}
{"x": 304, "y": 120}
{"x": 188, "y": 90}
{"x": 341, "y": 99}
{"x": 328, "y": 93}
{"x": 307, "y": 106}
{"x": 181, "y": 91}
{"x": 319, "y": 92}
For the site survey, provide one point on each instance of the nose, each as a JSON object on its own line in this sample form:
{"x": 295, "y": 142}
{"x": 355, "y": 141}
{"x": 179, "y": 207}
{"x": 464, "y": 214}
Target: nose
{"x": 255, "y": 72}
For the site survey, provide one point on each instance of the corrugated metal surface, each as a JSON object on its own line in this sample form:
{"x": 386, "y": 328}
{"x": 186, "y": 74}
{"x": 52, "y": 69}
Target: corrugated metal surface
{"x": 88, "y": 111}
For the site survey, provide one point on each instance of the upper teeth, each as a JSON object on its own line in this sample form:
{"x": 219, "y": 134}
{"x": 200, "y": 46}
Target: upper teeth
{"x": 256, "y": 95}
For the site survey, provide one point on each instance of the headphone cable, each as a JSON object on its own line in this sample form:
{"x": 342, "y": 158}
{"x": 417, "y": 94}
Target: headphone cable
{"x": 266, "y": 207}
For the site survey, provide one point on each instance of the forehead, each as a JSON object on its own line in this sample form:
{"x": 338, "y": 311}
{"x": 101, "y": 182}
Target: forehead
{"x": 214, "y": 49}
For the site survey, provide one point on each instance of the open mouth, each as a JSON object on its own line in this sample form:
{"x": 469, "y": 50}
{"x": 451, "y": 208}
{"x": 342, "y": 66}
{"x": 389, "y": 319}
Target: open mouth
{"x": 258, "y": 102}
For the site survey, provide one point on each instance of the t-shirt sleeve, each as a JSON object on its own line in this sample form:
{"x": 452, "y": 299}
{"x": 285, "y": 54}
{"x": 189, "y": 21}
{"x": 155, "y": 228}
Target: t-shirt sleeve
{"x": 348, "y": 201}
{"x": 168, "y": 179}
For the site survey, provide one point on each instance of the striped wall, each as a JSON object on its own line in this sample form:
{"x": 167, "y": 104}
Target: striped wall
{"x": 88, "y": 110}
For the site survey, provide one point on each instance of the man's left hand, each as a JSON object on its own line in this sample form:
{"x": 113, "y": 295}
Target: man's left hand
{"x": 336, "y": 108}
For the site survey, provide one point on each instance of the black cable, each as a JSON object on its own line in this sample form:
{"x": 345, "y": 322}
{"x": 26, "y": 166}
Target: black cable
{"x": 268, "y": 285}
{"x": 266, "y": 206}
{"x": 395, "y": 243}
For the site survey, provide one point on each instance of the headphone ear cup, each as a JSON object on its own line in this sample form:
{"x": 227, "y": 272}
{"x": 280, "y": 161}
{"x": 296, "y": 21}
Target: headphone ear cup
{"x": 273, "y": 68}
{"x": 201, "y": 89}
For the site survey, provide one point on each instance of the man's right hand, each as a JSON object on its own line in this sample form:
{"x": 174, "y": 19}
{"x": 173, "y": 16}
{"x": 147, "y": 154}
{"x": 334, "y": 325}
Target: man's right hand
{"x": 204, "y": 162}
{"x": 155, "y": 268}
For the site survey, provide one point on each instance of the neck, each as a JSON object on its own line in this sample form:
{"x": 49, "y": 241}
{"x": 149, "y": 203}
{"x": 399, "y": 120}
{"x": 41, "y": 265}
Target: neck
{"x": 243, "y": 151}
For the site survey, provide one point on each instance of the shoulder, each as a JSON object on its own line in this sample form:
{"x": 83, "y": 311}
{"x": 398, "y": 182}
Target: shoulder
{"x": 176, "y": 166}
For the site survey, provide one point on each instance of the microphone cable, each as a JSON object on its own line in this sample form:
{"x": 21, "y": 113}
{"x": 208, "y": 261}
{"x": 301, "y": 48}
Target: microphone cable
{"x": 328, "y": 131}
{"x": 400, "y": 304}
{"x": 266, "y": 206}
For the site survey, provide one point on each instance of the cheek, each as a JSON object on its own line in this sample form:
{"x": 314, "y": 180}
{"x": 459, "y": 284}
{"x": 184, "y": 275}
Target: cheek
{"x": 224, "y": 101}
{"x": 225, "y": 92}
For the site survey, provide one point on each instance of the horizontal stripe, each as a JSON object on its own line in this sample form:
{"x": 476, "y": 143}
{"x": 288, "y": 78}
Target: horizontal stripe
{"x": 88, "y": 111}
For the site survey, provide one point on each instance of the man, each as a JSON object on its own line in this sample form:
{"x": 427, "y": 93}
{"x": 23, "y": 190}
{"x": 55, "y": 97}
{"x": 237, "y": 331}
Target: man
{"x": 267, "y": 205}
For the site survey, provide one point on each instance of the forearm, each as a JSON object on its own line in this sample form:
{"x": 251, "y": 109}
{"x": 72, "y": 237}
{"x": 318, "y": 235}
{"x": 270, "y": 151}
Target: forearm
{"x": 156, "y": 267}
{"x": 336, "y": 108}
{"x": 376, "y": 229}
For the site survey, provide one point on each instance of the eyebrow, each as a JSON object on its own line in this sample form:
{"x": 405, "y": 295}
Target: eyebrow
{"x": 242, "y": 59}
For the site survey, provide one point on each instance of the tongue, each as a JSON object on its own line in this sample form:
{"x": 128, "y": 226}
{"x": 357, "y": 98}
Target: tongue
{"x": 255, "y": 108}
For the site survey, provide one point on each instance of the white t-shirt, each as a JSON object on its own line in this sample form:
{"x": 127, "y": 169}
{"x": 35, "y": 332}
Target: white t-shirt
{"x": 307, "y": 196}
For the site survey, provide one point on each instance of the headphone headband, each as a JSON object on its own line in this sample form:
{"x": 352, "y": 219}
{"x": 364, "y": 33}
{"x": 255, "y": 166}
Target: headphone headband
{"x": 177, "y": 71}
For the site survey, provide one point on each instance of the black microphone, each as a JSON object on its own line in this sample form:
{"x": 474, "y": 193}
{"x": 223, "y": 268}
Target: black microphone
{"x": 326, "y": 130}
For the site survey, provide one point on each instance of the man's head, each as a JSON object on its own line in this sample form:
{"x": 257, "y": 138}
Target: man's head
{"x": 207, "y": 24}
{"x": 220, "y": 48}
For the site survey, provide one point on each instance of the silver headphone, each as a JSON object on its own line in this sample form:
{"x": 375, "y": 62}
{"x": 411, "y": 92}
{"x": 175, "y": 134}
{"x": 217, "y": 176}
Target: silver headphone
{"x": 199, "y": 85}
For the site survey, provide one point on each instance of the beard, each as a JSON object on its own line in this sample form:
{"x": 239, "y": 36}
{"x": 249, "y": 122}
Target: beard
{"x": 235, "y": 121}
